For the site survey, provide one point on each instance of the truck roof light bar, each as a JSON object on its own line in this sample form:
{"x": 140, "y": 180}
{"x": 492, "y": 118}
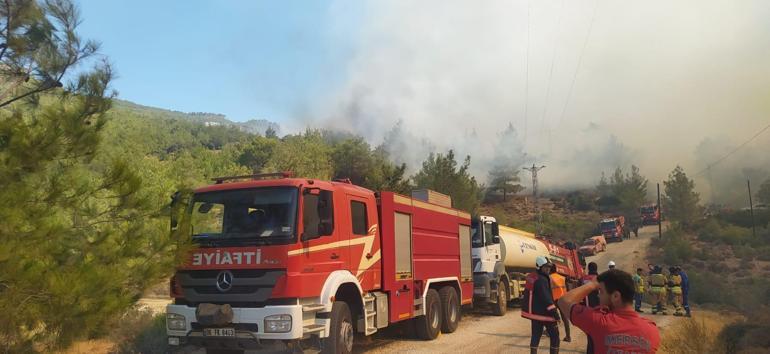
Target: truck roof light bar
{"x": 275, "y": 175}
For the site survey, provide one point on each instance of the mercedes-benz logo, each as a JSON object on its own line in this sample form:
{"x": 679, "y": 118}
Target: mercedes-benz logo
{"x": 224, "y": 280}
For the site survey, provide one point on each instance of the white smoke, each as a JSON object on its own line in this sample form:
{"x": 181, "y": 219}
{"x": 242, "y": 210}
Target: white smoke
{"x": 656, "y": 79}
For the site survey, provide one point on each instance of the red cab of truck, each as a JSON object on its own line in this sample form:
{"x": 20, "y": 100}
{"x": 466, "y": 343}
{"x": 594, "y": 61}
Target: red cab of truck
{"x": 566, "y": 259}
{"x": 650, "y": 214}
{"x": 613, "y": 228}
{"x": 286, "y": 259}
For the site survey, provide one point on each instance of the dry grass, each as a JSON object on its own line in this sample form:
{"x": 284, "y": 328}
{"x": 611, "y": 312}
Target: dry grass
{"x": 697, "y": 335}
{"x": 140, "y": 330}
{"x": 96, "y": 346}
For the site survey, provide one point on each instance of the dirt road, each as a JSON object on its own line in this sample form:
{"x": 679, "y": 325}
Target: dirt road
{"x": 510, "y": 334}
{"x": 629, "y": 254}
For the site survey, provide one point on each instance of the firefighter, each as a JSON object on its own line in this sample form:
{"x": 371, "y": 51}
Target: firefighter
{"x": 658, "y": 290}
{"x": 559, "y": 288}
{"x": 540, "y": 307}
{"x": 614, "y": 327}
{"x": 675, "y": 284}
{"x": 685, "y": 290}
{"x": 592, "y": 300}
{"x": 639, "y": 290}
{"x": 611, "y": 265}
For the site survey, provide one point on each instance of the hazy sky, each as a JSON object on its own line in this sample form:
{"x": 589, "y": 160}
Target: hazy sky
{"x": 588, "y": 85}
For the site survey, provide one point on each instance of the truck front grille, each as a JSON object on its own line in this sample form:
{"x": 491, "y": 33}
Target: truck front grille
{"x": 253, "y": 286}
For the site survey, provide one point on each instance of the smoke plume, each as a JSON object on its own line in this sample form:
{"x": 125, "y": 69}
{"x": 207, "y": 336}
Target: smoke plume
{"x": 587, "y": 85}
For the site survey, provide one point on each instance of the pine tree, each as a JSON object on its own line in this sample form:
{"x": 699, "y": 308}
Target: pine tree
{"x": 307, "y": 155}
{"x": 270, "y": 133}
{"x": 80, "y": 237}
{"x": 353, "y": 158}
{"x": 441, "y": 173}
{"x": 623, "y": 193}
{"x": 603, "y": 188}
{"x": 505, "y": 179}
{"x": 680, "y": 199}
{"x": 509, "y": 156}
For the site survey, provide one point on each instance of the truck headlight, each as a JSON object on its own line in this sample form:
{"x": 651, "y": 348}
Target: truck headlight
{"x": 175, "y": 322}
{"x": 277, "y": 324}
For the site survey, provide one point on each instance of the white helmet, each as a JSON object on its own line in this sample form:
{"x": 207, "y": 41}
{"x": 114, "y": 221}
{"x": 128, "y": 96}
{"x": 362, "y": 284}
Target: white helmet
{"x": 611, "y": 264}
{"x": 541, "y": 261}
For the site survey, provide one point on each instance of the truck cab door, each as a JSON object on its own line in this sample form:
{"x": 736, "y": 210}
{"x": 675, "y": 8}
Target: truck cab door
{"x": 492, "y": 247}
{"x": 324, "y": 249}
{"x": 363, "y": 234}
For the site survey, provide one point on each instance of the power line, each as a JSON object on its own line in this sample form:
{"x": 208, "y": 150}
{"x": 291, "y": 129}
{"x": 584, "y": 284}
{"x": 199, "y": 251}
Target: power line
{"x": 526, "y": 85}
{"x": 733, "y": 151}
{"x": 553, "y": 61}
{"x": 580, "y": 62}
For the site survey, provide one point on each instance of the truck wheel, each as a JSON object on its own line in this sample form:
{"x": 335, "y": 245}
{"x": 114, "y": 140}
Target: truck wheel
{"x": 450, "y": 309}
{"x": 340, "y": 339}
{"x": 501, "y": 306}
{"x": 428, "y": 326}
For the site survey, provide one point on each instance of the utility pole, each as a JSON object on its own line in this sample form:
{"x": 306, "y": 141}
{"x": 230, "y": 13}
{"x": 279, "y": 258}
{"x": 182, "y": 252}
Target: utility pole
{"x": 660, "y": 215}
{"x": 751, "y": 207}
{"x": 534, "y": 170}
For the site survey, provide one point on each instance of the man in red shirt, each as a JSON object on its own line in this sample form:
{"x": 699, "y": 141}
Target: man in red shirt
{"x": 614, "y": 326}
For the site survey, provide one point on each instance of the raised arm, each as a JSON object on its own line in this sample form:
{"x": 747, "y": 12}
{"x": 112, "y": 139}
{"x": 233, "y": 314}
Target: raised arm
{"x": 574, "y": 296}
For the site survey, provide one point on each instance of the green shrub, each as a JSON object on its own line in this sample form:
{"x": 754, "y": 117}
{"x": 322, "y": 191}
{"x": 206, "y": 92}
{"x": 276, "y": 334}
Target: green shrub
{"x": 676, "y": 248}
{"x": 743, "y": 218}
{"x": 706, "y": 287}
{"x": 744, "y": 337}
{"x": 140, "y": 331}
{"x": 744, "y": 252}
{"x": 728, "y": 234}
{"x": 581, "y": 201}
{"x": 763, "y": 253}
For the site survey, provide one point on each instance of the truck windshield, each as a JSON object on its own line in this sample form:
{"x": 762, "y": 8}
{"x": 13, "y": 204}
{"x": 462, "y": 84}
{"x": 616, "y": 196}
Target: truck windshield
{"x": 477, "y": 239}
{"x": 589, "y": 242}
{"x": 260, "y": 215}
{"x": 607, "y": 225}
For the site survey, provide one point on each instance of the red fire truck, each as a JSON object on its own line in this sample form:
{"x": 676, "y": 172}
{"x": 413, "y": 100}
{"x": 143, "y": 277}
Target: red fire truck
{"x": 286, "y": 259}
{"x": 650, "y": 214}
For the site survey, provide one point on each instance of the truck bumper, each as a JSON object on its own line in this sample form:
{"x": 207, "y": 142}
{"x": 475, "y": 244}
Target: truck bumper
{"x": 249, "y": 325}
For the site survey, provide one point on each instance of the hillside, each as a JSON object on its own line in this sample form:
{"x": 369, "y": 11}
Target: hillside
{"x": 729, "y": 270}
{"x": 253, "y": 126}
{"x": 560, "y": 220}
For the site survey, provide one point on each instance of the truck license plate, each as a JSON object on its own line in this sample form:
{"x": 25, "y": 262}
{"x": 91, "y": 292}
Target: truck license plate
{"x": 219, "y": 332}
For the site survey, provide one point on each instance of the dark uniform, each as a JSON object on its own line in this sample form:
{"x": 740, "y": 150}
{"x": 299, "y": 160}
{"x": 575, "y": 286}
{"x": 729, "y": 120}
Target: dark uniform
{"x": 538, "y": 306}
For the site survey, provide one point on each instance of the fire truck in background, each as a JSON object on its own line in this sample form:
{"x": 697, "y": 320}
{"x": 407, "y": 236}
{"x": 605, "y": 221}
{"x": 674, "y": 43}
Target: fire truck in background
{"x": 650, "y": 214}
{"x": 613, "y": 229}
{"x": 289, "y": 259}
{"x": 502, "y": 257}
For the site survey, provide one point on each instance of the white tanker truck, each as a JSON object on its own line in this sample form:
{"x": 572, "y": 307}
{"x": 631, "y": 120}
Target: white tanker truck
{"x": 502, "y": 256}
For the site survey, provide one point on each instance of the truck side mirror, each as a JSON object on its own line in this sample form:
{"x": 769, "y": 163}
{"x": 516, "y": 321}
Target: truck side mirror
{"x": 495, "y": 233}
{"x": 325, "y": 213}
{"x": 174, "y": 217}
{"x": 318, "y": 213}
